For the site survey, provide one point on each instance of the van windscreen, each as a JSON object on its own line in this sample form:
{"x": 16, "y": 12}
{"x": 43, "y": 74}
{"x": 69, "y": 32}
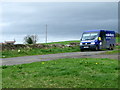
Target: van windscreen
{"x": 90, "y": 36}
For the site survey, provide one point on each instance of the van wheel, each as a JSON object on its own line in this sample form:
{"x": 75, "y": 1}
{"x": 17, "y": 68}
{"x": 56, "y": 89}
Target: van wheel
{"x": 96, "y": 48}
{"x": 81, "y": 50}
{"x": 110, "y": 47}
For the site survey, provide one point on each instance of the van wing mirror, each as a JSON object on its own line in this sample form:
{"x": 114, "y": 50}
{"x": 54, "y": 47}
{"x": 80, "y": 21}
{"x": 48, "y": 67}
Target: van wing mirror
{"x": 99, "y": 38}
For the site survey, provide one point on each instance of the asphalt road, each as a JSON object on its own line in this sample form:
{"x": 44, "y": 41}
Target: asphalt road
{"x": 36, "y": 58}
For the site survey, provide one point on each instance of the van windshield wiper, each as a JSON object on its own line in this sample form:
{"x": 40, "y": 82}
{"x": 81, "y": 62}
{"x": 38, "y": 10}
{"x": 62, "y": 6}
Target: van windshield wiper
{"x": 87, "y": 39}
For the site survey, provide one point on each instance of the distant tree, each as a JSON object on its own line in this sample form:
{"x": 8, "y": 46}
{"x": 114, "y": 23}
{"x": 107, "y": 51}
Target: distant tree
{"x": 117, "y": 34}
{"x": 30, "y": 39}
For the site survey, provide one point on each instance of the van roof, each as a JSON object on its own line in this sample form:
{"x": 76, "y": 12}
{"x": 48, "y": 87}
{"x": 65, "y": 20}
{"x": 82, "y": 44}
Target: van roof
{"x": 98, "y": 30}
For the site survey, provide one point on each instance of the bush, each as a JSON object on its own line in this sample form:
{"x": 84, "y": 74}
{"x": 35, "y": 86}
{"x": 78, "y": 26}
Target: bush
{"x": 117, "y": 34}
{"x": 30, "y": 39}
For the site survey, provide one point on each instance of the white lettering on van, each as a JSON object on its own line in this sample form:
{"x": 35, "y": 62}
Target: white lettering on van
{"x": 112, "y": 35}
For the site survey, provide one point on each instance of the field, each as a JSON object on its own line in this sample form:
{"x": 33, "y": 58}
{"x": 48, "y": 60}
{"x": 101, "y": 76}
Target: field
{"x": 52, "y": 50}
{"x": 63, "y": 73}
{"x": 64, "y": 42}
{"x": 36, "y": 51}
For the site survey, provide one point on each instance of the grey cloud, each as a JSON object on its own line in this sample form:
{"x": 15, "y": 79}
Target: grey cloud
{"x": 63, "y": 19}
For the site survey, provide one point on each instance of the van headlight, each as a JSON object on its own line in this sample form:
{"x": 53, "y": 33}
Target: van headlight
{"x": 92, "y": 42}
{"x": 80, "y": 43}
{"x": 100, "y": 43}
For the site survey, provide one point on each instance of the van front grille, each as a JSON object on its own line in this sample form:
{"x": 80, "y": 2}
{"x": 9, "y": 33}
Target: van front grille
{"x": 86, "y": 43}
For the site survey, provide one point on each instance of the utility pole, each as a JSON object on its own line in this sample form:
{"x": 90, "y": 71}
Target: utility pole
{"x": 46, "y": 33}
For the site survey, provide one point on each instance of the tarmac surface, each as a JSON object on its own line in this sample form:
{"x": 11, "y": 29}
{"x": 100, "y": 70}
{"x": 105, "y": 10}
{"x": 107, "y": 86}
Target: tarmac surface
{"x": 37, "y": 58}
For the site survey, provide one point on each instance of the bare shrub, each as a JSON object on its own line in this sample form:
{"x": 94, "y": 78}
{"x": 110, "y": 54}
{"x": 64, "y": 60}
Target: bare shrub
{"x": 30, "y": 39}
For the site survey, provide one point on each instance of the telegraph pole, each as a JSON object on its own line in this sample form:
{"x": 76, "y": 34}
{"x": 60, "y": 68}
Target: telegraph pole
{"x": 46, "y": 33}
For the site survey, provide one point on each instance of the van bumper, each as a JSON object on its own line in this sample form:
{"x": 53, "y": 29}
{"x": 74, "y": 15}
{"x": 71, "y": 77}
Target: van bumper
{"x": 87, "y": 47}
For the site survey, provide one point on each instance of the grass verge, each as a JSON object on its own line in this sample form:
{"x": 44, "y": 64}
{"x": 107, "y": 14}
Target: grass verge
{"x": 36, "y": 51}
{"x": 63, "y": 73}
{"x": 112, "y": 52}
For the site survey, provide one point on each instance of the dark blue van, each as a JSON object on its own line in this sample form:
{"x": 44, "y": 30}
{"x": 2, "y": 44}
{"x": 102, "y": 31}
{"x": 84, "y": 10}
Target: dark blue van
{"x": 97, "y": 40}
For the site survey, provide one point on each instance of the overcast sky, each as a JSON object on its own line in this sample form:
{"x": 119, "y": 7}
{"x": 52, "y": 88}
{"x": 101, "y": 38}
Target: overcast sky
{"x": 66, "y": 21}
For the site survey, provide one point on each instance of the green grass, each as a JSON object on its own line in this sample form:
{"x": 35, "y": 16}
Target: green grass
{"x": 64, "y": 42}
{"x": 63, "y": 73}
{"x": 35, "y": 51}
{"x": 117, "y": 39}
{"x": 112, "y": 52}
